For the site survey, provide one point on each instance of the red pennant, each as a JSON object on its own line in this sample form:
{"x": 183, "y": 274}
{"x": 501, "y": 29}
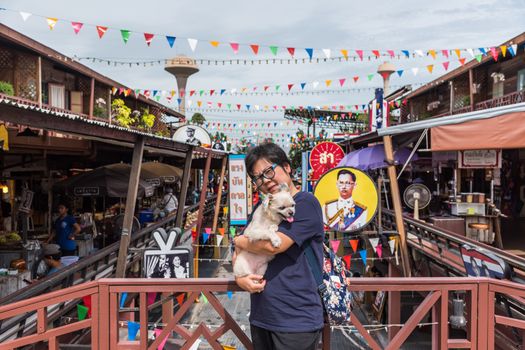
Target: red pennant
{"x": 360, "y": 54}
{"x": 266, "y": 88}
{"x": 180, "y": 299}
{"x": 291, "y": 50}
{"x": 290, "y": 87}
{"x": 353, "y": 244}
{"x": 347, "y": 261}
{"x": 149, "y": 37}
{"x": 192, "y": 92}
{"x": 77, "y": 26}
{"x": 101, "y": 31}
{"x": 211, "y": 92}
{"x": 445, "y": 65}
{"x": 356, "y": 78}
{"x": 462, "y": 61}
{"x": 238, "y": 106}
{"x": 255, "y": 49}
{"x": 376, "y": 53}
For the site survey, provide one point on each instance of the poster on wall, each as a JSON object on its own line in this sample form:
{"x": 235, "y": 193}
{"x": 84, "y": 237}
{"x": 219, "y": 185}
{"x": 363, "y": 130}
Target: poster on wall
{"x": 483, "y": 158}
{"x": 237, "y": 190}
{"x": 193, "y": 135}
{"x": 167, "y": 261}
{"x": 323, "y": 157}
{"x": 348, "y": 197}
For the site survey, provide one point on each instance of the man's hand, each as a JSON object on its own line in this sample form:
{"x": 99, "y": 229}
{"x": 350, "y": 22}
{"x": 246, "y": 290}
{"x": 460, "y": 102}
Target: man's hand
{"x": 251, "y": 283}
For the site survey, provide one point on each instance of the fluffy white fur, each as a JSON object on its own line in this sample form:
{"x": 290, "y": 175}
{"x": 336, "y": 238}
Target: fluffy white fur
{"x": 275, "y": 208}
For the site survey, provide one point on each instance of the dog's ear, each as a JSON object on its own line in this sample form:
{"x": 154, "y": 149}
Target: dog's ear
{"x": 284, "y": 187}
{"x": 267, "y": 201}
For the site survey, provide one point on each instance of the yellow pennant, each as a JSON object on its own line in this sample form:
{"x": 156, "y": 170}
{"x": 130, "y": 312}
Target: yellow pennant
{"x": 199, "y": 103}
{"x": 432, "y": 53}
{"x": 173, "y": 93}
{"x": 458, "y": 52}
{"x": 328, "y": 82}
{"x": 244, "y": 89}
{"x": 345, "y": 53}
{"x": 503, "y": 50}
{"x": 214, "y": 43}
{"x": 430, "y": 67}
{"x": 51, "y": 22}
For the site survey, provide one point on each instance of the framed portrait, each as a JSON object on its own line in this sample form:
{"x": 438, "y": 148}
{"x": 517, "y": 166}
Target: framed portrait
{"x": 167, "y": 264}
{"x": 193, "y": 135}
{"x": 379, "y": 304}
{"x": 349, "y": 199}
{"x": 26, "y": 200}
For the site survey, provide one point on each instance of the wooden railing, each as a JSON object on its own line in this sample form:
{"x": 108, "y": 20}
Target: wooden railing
{"x": 105, "y": 324}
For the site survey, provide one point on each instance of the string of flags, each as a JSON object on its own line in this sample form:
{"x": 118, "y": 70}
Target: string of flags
{"x": 375, "y": 243}
{"x": 273, "y": 50}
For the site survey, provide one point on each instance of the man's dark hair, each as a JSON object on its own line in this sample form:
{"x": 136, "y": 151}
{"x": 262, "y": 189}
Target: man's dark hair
{"x": 269, "y": 151}
{"x": 63, "y": 204}
{"x": 344, "y": 171}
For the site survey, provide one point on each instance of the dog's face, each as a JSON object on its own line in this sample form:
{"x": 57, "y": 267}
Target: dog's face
{"x": 280, "y": 205}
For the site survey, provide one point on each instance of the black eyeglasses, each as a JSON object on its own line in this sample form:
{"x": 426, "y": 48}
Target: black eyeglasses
{"x": 267, "y": 174}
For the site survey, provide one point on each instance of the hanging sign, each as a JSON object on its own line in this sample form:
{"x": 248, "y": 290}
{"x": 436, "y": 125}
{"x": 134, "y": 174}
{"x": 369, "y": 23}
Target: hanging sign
{"x": 325, "y": 156}
{"x": 348, "y": 197}
{"x": 487, "y": 158}
{"x": 193, "y": 135}
{"x": 167, "y": 261}
{"x": 237, "y": 190}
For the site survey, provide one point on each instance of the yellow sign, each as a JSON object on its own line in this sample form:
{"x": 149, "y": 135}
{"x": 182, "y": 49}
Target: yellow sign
{"x": 4, "y": 138}
{"x": 348, "y": 197}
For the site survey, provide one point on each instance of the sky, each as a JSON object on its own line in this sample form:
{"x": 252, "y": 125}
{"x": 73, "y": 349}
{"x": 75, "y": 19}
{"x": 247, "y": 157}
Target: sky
{"x": 335, "y": 24}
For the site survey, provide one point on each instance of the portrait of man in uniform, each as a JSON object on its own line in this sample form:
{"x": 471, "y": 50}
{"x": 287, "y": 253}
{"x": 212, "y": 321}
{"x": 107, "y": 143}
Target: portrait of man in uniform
{"x": 191, "y": 137}
{"x": 343, "y": 213}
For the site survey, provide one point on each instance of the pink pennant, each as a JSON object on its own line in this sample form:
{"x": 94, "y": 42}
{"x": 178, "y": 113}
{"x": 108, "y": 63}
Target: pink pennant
{"x": 379, "y": 250}
{"x": 391, "y": 53}
{"x": 158, "y": 332}
{"x": 445, "y": 53}
{"x": 151, "y": 297}
{"x": 445, "y": 65}
{"x": 235, "y": 47}
{"x": 77, "y": 26}
{"x": 494, "y": 53}
{"x": 360, "y": 54}
{"x": 335, "y": 244}
{"x": 207, "y": 230}
{"x": 342, "y": 81}
{"x": 149, "y": 37}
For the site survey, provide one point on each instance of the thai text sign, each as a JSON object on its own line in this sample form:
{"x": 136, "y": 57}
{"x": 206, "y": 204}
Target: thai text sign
{"x": 325, "y": 156}
{"x": 237, "y": 190}
{"x": 486, "y": 158}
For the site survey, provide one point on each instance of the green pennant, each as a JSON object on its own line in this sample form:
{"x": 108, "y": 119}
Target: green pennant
{"x": 204, "y": 299}
{"x": 232, "y": 231}
{"x": 277, "y": 87}
{"x": 157, "y": 98}
{"x": 229, "y": 106}
{"x": 201, "y": 92}
{"x": 370, "y": 76}
{"x": 125, "y": 35}
{"x": 274, "y": 50}
{"x": 82, "y": 312}
{"x": 479, "y": 58}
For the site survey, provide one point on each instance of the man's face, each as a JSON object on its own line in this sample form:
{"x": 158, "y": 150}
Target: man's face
{"x": 190, "y": 133}
{"x": 62, "y": 210}
{"x": 345, "y": 185}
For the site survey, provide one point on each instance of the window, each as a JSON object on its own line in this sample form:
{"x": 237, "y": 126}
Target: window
{"x": 57, "y": 96}
{"x": 521, "y": 80}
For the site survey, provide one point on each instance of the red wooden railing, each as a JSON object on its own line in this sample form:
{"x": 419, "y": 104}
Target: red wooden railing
{"x": 105, "y": 323}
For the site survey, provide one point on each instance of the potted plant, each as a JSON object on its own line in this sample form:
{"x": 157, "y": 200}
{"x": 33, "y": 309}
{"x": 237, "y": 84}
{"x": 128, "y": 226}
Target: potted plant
{"x": 122, "y": 113}
{"x": 6, "y": 88}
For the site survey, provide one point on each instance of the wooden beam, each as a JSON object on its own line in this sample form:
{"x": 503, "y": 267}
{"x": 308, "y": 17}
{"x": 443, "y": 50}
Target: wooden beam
{"x": 92, "y": 98}
{"x": 184, "y": 189}
{"x": 396, "y": 201}
{"x": 200, "y": 216}
{"x": 109, "y": 105}
{"x": 39, "y": 80}
{"x": 131, "y": 198}
{"x": 471, "y": 87}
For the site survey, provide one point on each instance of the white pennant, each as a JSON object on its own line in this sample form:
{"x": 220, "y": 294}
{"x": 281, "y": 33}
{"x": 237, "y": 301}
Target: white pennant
{"x": 25, "y": 15}
{"x": 233, "y": 91}
{"x": 415, "y": 70}
{"x": 419, "y": 53}
{"x": 189, "y": 103}
{"x": 315, "y": 84}
{"x": 257, "y": 107}
{"x": 374, "y": 242}
{"x": 471, "y": 52}
{"x": 219, "y": 239}
{"x": 327, "y": 52}
{"x": 515, "y": 49}
{"x": 392, "y": 244}
{"x": 193, "y": 44}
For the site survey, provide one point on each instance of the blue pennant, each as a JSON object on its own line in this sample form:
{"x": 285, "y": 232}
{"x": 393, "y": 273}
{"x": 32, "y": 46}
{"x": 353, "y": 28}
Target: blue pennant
{"x": 171, "y": 40}
{"x": 400, "y": 72}
{"x": 406, "y": 52}
{"x": 303, "y": 85}
{"x": 310, "y": 52}
{"x": 363, "y": 255}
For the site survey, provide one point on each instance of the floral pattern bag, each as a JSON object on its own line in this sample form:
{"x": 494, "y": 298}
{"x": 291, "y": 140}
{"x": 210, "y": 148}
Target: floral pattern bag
{"x": 331, "y": 282}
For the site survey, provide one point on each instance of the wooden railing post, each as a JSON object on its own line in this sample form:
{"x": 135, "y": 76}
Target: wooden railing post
{"x": 481, "y": 338}
{"x": 103, "y": 316}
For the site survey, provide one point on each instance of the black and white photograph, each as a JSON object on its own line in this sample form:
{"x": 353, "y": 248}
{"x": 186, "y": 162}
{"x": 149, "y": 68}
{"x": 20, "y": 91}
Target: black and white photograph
{"x": 193, "y": 135}
{"x": 171, "y": 264}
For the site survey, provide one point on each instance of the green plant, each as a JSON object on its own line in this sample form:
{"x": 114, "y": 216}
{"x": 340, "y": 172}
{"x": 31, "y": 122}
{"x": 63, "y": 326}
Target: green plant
{"x": 6, "y": 88}
{"x": 198, "y": 119}
{"x": 147, "y": 119}
{"x": 100, "y": 112}
{"x": 122, "y": 113}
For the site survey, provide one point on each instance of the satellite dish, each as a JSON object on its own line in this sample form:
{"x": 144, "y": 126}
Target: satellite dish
{"x": 417, "y": 196}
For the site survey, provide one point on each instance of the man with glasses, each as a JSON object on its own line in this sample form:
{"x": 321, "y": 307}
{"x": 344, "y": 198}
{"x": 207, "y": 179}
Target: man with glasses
{"x": 344, "y": 214}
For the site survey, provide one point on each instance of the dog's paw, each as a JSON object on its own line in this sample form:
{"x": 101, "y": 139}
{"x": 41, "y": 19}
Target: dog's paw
{"x": 273, "y": 228}
{"x": 276, "y": 242}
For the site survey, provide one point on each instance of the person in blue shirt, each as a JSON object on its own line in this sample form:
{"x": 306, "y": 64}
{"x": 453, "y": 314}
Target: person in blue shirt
{"x": 65, "y": 229}
{"x": 286, "y": 309}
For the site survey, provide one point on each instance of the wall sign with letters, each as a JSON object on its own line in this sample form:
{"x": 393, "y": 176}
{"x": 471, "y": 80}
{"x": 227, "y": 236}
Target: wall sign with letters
{"x": 238, "y": 190}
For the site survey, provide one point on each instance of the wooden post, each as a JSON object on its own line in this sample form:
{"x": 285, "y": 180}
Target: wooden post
{"x": 92, "y": 98}
{"x": 200, "y": 217}
{"x": 216, "y": 250}
{"x": 109, "y": 105}
{"x": 451, "y": 85}
{"x": 471, "y": 88}
{"x": 130, "y": 207}
{"x": 184, "y": 189}
{"x": 394, "y": 304}
{"x": 39, "y": 80}
{"x": 396, "y": 201}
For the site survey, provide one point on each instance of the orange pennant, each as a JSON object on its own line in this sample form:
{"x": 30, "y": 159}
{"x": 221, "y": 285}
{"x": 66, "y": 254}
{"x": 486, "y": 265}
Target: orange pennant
{"x": 345, "y": 54}
{"x": 430, "y": 67}
{"x": 255, "y": 49}
{"x": 462, "y": 61}
{"x": 458, "y": 52}
{"x": 180, "y": 299}
{"x": 214, "y": 43}
{"x": 432, "y": 53}
{"x": 328, "y": 82}
{"x": 101, "y": 31}
{"x": 353, "y": 244}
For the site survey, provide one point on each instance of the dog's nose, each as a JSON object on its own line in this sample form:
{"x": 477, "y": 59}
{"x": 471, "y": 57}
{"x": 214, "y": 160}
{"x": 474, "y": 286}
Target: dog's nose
{"x": 291, "y": 212}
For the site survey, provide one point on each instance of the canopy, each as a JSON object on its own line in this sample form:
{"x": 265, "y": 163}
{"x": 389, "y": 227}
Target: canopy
{"x": 165, "y": 172}
{"x": 109, "y": 180}
{"x": 373, "y": 157}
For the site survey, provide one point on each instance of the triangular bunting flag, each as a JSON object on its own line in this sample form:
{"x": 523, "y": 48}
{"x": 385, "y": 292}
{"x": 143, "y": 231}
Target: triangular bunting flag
{"x": 379, "y": 250}
{"x": 374, "y": 242}
{"x": 471, "y": 52}
{"x": 392, "y": 245}
{"x": 371, "y": 76}
{"x": 360, "y": 54}
{"x": 376, "y": 53}
{"x": 342, "y": 82}
{"x": 219, "y": 239}
{"x": 193, "y": 44}
{"x": 123, "y": 298}
{"x": 255, "y": 49}
{"x": 207, "y": 230}
{"x": 151, "y": 297}
{"x": 400, "y": 72}
{"x": 482, "y": 50}
{"x": 479, "y": 58}
{"x": 335, "y": 244}
{"x": 203, "y": 297}
{"x": 362, "y": 253}
{"x": 274, "y": 49}
{"x": 171, "y": 40}
{"x": 51, "y": 22}
{"x": 303, "y": 85}
{"x": 458, "y": 52}
{"x": 315, "y": 84}
{"x": 230, "y": 294}
{"x": 347, "y": 261}
{"x": 406, "y": 53}
{"x": 290, "y": 86}
{"x": 445, "y": 65}
{"x": 415, "y": 70}
{"x": 432, "y": 53}
{"x": 291, "y": 50}
{"x": 310, "y": 52}
{"x": 353, "y": 244}
{"x": 356, "y": 78}
{"x": 328, "y": 82}
{"x": 82, "y": 312}
{"x": 205, "y": 237}
{"x": 133, "y": 328}
{"x": 125, "y": 35}
{"x": 444, "y": 53}
{"x": 148, "y": 37}
{"x": 430, "y": 67}
{"x": 214, "y": 43}
{"x": 158, "y": 332}
{"x": 494, "y": 53}
{"x": 513, "y": 49}
{"x": 77, "y": 26}
{"x": 101, "y": 31}
{"x": 345, "y": 54}
{"x": 235, "y": 47}
{"x": 503, "y": 49}
{"x": 391, "y": 53}
{"x": 327, "y": 52}
{"x": 180, "y": 299}
{"x": 25, "y": 15}
{"x": 462, "y": 61}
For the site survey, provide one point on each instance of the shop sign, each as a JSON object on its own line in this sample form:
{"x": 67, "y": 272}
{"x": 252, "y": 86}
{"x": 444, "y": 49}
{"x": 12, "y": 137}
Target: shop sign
{"x": 86, "y": 191}
{"x": 325, "y": 156}
{"x": 488, "y": 158}
{"x": 238, "y": 190}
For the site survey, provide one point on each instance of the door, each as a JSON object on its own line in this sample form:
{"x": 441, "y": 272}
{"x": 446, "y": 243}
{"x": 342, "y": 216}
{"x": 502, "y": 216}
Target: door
{"x": 76, "y": 101}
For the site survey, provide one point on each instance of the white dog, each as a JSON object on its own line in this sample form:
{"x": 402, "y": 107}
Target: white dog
{"x": 275, "y": 208}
